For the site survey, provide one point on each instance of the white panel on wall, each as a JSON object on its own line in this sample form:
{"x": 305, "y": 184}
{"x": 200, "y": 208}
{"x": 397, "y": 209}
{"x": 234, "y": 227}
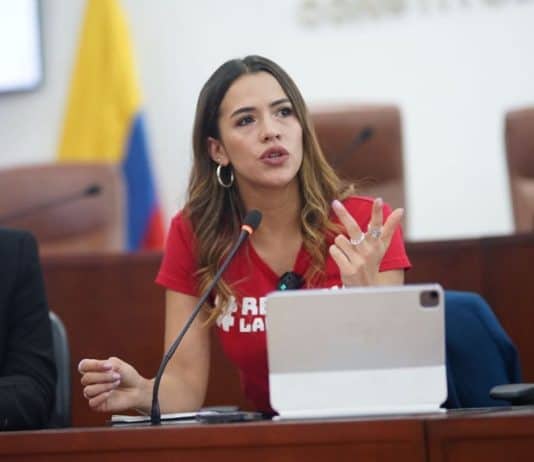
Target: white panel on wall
{"x": 30, "y": 122}
{"x": 20, "y": 45}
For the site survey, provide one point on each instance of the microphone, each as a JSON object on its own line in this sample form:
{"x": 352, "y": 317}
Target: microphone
{"x": 250, "y": 224}
{"x": 290, "y": 281}
{"x": 91, "y": 190}
{"x": 363, "y": 136}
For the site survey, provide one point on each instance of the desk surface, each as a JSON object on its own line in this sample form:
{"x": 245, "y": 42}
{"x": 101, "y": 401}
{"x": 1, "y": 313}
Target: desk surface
{"x": 488, "y": 436}
{"x": 348, "y": 440}
{"x": 483, "y": 435}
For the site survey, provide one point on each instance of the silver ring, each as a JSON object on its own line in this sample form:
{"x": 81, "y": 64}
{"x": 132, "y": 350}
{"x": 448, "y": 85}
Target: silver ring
{"x": 356, "y": 242}
{"x": 375, "y": 232}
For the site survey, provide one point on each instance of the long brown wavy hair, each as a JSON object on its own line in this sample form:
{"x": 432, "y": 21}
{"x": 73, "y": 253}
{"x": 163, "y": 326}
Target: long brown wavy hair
{"x": 216, "y": 213}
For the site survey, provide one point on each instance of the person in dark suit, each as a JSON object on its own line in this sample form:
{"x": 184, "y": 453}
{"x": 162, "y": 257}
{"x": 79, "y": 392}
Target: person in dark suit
{"x": 27, "y": 369}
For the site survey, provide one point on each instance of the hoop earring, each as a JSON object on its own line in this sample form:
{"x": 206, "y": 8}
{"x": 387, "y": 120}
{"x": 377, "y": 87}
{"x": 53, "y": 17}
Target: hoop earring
{"x": 220, "y": 180}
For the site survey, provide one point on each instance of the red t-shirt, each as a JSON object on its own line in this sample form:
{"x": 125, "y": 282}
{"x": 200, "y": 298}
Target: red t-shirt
{"x": 242, "y": 326}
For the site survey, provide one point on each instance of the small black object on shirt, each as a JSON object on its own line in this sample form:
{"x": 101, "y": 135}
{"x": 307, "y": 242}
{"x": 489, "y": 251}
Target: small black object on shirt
{"x": 290, "y": 281}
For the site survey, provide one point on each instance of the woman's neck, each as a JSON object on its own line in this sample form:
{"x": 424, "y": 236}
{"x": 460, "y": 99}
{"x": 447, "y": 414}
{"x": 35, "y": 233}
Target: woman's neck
{"x": 280, "y": 211}
{"x": 279, "y": 237}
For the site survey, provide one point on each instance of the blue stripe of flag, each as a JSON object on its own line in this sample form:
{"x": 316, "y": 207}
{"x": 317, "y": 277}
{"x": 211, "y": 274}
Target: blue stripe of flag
{"x": 141, "y": 197}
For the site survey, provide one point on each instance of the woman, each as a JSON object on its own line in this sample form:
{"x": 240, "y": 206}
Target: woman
{"x": 254, "y": 148}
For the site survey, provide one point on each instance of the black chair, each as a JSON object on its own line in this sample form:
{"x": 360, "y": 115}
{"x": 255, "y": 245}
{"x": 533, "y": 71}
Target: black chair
{"x": 61, "y": 413}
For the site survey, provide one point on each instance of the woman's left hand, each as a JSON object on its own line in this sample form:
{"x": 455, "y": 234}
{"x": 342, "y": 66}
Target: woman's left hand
{"x": 358, "y": 256}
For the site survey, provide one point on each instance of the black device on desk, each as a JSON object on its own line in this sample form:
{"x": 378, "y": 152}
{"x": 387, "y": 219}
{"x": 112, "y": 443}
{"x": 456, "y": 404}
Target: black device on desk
{"x": 515, "y": 393}
{"x": 228, "y": 416}
{"x": 214, "y": 414}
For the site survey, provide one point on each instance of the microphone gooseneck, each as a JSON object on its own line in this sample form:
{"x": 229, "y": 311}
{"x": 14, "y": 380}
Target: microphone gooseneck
{"x": 363, "y": 136}
{"x": 250, "y": 224}
{"x": 91, "y": 190}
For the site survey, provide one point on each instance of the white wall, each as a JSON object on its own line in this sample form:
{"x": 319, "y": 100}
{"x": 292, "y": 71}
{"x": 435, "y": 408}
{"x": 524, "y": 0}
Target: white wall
{"x": 454, "y": 71}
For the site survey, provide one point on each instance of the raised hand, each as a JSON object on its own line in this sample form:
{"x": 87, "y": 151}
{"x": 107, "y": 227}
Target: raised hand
{"x": 358, "y": 256}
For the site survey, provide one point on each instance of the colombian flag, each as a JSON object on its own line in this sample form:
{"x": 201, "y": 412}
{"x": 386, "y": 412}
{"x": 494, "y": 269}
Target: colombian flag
{"x": 104, "y": 120}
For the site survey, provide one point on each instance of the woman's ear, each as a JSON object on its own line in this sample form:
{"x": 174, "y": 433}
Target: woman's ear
{"x": 217, "y": 152}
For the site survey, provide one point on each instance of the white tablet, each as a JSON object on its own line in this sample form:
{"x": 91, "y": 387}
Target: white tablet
{"x": 356, "y": 351}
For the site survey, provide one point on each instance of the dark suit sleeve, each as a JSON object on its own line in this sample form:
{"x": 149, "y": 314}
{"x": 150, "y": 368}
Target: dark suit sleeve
{"x": 27, "y": 370}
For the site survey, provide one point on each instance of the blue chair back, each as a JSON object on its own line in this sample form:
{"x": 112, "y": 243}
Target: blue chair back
{"x": 480, "y": 354}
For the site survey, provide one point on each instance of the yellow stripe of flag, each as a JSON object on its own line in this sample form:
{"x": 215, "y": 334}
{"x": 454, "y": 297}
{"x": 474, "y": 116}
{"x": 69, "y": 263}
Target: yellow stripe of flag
{"x": 104, "y": 94}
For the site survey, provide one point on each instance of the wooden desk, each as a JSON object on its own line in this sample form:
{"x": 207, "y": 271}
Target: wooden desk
{"x": 111, "y": 306}
{"x": 487, "y": 437}
{"x": 376, "y": 440}
{"x": 471, "y": 436}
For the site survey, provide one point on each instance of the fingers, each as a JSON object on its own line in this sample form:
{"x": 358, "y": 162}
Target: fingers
{"x": 94, "y": 365}
{"x": 93, "y": 391}
{"x": 358, "y": 256}
{"x": 391, "y": 224}
{"x": 346, "y": 219}
{"x": 376, "y": 229}
{"x": 99, "y": 402}
{"x": 377, "y": 216}
{"x": 110, "y": 385}
{"x": 99, "y": 379}
{"x": 98, "y": 387}
{"x": 347, "y": 265}
{"x": 349, "y": 250}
